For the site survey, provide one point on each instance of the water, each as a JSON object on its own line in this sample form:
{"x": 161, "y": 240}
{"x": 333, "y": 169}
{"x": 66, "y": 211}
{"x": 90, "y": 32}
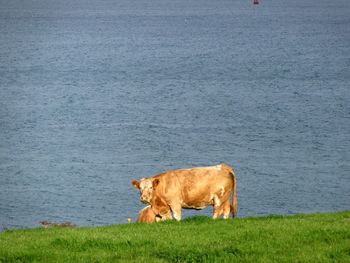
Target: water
{"x": 96, "y": 93}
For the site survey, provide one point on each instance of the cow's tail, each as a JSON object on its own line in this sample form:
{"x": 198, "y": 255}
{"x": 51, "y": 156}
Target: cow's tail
{"x": 234, "y": 196}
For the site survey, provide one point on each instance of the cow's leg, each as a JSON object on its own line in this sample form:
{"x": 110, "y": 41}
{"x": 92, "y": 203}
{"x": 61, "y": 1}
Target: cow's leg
{"x": 226, "y": 209}
{"x": 217, "y": 209}
{"x": 223, "y": 209}
{"x": 221, "y": 206}
{"x": 176, "y": 209}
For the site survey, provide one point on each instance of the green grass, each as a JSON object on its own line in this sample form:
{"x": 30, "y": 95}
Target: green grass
{"x": 300, "y": 238}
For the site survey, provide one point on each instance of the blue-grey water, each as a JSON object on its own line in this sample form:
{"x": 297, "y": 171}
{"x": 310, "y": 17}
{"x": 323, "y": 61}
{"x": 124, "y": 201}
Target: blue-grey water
{"x": 96, "y": 93}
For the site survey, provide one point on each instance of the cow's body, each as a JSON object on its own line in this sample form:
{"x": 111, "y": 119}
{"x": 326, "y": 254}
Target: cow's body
{"x": 194, "y": 188}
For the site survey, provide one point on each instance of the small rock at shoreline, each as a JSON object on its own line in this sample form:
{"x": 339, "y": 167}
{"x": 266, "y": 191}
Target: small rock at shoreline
{"x": 47, "y": 224}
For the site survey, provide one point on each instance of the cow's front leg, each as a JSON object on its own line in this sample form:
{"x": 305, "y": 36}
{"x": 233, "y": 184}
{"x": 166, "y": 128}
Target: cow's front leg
{"x": 176, "y": 212}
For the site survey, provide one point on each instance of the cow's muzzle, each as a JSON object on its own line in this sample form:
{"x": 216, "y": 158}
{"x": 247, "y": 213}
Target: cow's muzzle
{"x": 143, "y": 200}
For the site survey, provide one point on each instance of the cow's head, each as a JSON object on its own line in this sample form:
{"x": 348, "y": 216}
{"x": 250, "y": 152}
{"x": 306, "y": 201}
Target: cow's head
{"x": 146, "y": 187}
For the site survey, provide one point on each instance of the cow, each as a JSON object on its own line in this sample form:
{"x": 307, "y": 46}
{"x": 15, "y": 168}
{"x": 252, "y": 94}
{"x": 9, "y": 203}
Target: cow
{"x": 194, "y": 188}
{"x": 147, "y": 215}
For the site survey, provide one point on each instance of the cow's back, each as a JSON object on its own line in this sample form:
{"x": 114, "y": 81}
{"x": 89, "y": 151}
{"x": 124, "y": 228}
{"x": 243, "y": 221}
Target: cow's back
{"x": 146, "y": 215}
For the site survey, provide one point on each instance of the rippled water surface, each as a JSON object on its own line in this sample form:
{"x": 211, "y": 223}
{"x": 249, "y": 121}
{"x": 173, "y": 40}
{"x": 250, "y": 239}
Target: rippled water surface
{"x": 96, "y": 93}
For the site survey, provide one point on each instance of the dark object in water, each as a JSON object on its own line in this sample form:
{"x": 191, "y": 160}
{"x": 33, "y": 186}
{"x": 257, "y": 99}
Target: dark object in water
{"x": 47, "y": 224}
{"x": 256, "y": 2}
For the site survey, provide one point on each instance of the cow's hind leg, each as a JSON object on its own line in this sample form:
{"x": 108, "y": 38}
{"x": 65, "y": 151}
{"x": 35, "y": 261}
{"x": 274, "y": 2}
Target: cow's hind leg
{"x": 226, "y": 209}
{"x": 223, "y": 209}
{"x": 217, "y": 207}
{"x": 221, "y": 203}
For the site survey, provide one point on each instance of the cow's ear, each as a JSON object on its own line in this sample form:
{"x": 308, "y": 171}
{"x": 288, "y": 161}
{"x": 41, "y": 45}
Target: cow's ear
{"x": 135, "y": 184}
{"x": 155, "y": 183}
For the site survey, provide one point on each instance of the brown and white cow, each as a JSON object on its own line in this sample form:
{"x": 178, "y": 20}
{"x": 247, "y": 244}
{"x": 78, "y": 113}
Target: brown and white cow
{"x": 194, "y": 188}
{"x": 147, "y": 215}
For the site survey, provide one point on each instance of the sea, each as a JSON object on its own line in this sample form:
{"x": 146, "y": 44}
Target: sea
{"x": 95, "y": 93}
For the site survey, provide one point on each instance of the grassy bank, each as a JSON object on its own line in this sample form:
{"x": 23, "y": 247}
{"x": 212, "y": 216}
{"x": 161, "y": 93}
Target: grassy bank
{"x": 300, "y": 238}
